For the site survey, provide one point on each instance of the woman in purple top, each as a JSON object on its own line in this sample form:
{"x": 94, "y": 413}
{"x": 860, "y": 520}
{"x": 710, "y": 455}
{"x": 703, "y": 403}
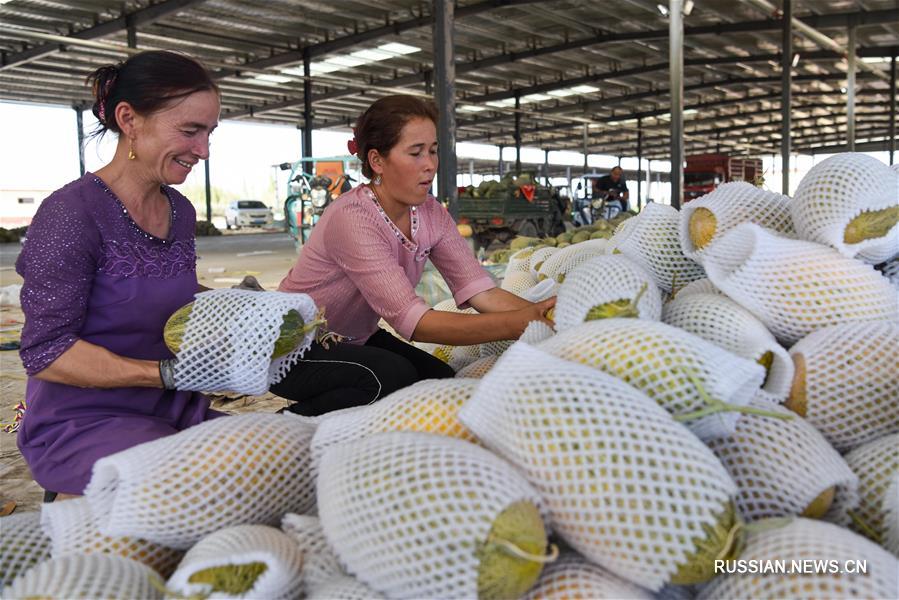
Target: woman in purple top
{"x": 108, "y": 258}
{"x": 365, "y": 257}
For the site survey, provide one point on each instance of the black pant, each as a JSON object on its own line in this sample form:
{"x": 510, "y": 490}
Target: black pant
{"x": 349, "y": 375}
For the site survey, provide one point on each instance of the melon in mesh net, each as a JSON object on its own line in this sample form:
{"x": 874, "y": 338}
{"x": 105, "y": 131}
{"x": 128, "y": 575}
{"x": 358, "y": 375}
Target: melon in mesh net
{"x": 479, "y": 368}
{"x": 342, "y": 588}
{"x": 849, "y": 201}
{"x": 890, "y": 270}
{"x": 845, "y": 382}
{"x": 519, "y": 261}
{"x": 795, "y": 287}
{"x": 785, "y": 468}
{"x": 416, "y": 515}
{"x": 429, "y": 406}
{"x": 700, "y": 286}
{"x": 245, "y": 561}
{"x": 652, "y": 240}
{"x": 706, "y": 219}
{"x": 808, "y": 539}
{"x": 625, "y": 485}
{"x": 559, "y": 265}
{"x": 606, "y": 287}
{"x": 319, "y": 561}
{"x": 696, "y": 381}
{"x": 250, "y": 468}
{"x": 890, "y": 508}
{"x": 537, "y": 259}
{"x": 725, "y": 323}
{"x": 74, "y": 529}
{"x": 240, "y": 340}
{"x": 573, "y": 578}
{"x": 518, "y": 282}
{"x": 455, "y": 356}
{"x": 876, "y": 463}
{"x": 87, "y": 577}
{"x": 23, "y": 544}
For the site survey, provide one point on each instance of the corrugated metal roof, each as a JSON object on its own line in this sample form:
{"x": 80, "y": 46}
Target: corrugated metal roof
{"x": 570, "y": 62}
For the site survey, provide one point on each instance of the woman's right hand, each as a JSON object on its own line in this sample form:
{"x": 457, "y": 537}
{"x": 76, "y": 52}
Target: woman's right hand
{"x": 535, "y": 312}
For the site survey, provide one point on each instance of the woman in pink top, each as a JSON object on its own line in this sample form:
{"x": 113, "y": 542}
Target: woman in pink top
{"x": 364, "y": 259}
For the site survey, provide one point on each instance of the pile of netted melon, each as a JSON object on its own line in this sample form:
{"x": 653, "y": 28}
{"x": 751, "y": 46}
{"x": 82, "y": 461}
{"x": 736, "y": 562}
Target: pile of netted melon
{"x": 714, "y": 415}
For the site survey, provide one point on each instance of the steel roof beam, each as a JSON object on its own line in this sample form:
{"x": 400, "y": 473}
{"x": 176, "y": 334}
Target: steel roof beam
{"x": 134, "y": 19}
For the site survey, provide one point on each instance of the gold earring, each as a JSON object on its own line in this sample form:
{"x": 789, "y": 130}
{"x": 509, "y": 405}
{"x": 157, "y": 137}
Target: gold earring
{"x": 131, "y": 154}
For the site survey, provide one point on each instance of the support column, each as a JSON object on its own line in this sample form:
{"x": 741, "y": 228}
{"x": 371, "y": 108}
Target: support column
{"x": 445, "y": 78}
{"x": 79, "y": 121}
{"x": 471, "y": 171}
{"x": 786, "y": 96}
{"x": 502, "y": 165}
{"x": 208, "y": 191}
{"x": 132, "y": 34}
{"x": 850, "y": 90}
{"x": 676, "y": 62}
{"x": 546, "y": 167}
{"x": 639, "y": 158}
{"x": 307, "y": 110}
{"x": 892, "y": 109}
{"x": 648, "y": 185}
{"x": 587, "y": 191}
{"x": 517, "y": 133}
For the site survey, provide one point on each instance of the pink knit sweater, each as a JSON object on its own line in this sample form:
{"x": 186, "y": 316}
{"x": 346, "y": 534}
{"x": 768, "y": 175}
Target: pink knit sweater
{"x": 357, "y": 267}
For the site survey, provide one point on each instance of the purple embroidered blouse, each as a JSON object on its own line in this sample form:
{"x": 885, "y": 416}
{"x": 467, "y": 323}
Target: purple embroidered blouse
{"x": 91, "y": 273}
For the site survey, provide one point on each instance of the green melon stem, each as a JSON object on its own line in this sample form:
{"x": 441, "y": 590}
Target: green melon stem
{"x": 714, "y": 406}
{"x": 231, "y": 579}
{"x": 518, "y": 552}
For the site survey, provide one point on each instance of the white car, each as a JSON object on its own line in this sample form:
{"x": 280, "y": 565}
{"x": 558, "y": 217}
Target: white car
{"x": 248, "y": 213}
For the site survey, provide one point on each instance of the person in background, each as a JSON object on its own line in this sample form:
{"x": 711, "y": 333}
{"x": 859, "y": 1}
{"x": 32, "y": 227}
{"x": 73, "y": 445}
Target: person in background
{"x": 109, "y": 257}
{"x": 612, "y": 187}
{"x": 364, "y": 259}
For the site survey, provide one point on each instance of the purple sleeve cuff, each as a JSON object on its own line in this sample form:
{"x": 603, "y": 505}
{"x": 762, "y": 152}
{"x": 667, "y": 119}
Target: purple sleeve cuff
{"x": 37, "y": 358}
{"x": 471, "y": 290}
{"x": 409, "y": 321}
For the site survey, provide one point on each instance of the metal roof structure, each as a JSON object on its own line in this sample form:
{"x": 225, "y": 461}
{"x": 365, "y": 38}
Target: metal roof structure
{"x": 579, "y": 69}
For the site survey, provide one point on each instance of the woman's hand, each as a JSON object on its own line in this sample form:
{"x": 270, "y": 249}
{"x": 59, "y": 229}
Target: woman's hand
{"x": 535, "y": 312}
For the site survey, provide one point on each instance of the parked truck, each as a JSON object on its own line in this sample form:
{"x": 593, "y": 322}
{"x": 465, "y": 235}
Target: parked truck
{"x": 500, "y": 210}
{"x": 705, "y": 172}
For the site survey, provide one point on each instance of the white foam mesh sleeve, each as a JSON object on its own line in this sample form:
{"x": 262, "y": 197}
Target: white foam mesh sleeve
{"x": 23, "y": 544}
{"x": 809, "y": 539}
{"x": 660, "y": 360}
{"x": 429, "y": 406}
{"x": 518, "y": 282}
{"x": 319, "y": 560}
{"x": 625, "y": 485}
{"x": 250, "y": 468}
{"x": 605, "y": 279}
{"x": 890, "y": 270}
{"x": 478, "y": 368}
{"x": 794, "y": 286}
{"x": 519, "y": 261}
{"x": 496, "y": 348}
{"x": 837, "y": 190}
{"x": 891, "y": 515}
{"x": 342, "y": 588}
{"x": 653, "y": 241}
{"x": 725, "y": 323}
{"x": 542, "y": 291}
{"x": 573, "y": 578}
{"x": 73, "y": 529}
{"x": 734, "y": 203}
{"x": 622, "y": 232}
{"x": 406, "y": 511}
{"x": 455, "y": 356}
{"x": 230, "y": 337}
{"x": 560, "y": 264}
{"x": 87, "y": 577}
{"x": 536, "y": 332}
{"x": 538, "y": 258}
{"x": 851, "y": 382}
{"x": 876, "y": 463}
{"x": 700, "y": 286}
{"x": 243, "y": 545}
{"x": 780, "y": 466}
